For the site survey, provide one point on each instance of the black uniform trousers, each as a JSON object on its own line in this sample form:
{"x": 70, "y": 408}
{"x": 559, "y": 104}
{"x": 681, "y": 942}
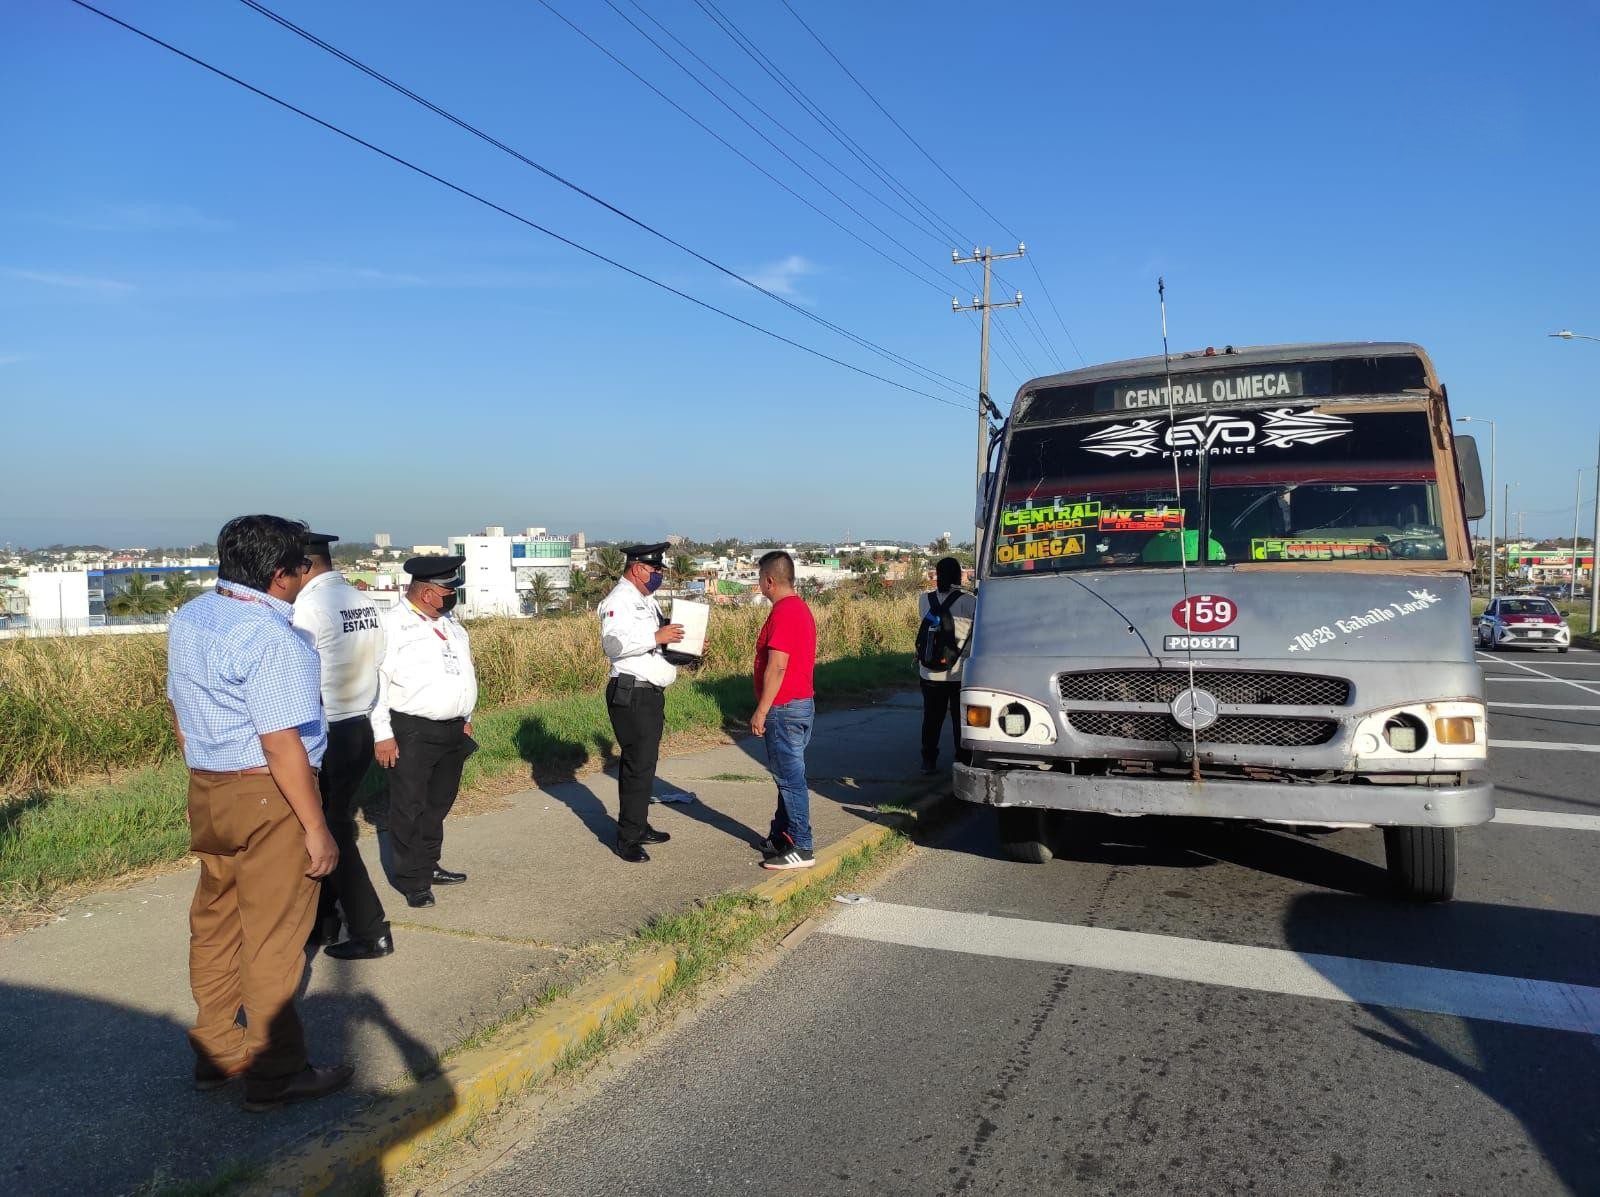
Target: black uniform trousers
{"x": 940, "y": 699}
{"x": 348, "y": 887}
{"x": 638, "y": 727}
{"x": 422, "y": 788}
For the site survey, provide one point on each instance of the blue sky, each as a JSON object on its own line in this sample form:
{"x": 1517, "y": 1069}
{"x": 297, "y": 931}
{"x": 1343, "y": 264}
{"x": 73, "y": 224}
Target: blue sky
{"x": 208, "y": 305}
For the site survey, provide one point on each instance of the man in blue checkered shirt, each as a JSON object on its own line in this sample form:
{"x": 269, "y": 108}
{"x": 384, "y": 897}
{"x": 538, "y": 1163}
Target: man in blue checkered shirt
{"x": 246, "y": 693}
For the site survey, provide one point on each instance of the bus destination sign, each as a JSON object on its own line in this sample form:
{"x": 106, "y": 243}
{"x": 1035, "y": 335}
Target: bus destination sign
{"x": 1234, "y": 386}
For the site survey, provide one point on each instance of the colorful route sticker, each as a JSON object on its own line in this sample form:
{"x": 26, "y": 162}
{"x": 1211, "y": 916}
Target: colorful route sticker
{"x": 1285, "y": 548}
{"x": 1028, "y": 518}
{"x": 1039, "y": 550}
{"x": 1141, "y": 519}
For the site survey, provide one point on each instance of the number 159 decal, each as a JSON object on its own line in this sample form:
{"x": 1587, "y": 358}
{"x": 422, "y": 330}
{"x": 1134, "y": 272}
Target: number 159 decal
{"x": 1204, "y": 612}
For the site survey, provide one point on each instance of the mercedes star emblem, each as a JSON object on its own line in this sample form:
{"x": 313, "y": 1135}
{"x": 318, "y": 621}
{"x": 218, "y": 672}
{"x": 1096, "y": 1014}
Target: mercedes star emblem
{"x": 1195, "y": 709}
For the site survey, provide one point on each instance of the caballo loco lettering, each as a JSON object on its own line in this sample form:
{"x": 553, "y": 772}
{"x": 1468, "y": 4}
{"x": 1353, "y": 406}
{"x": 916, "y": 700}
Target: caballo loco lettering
{"x": 1420, "y": 600}
{"x": 1228, "y": 388}
{"x": 1040, "y": 550}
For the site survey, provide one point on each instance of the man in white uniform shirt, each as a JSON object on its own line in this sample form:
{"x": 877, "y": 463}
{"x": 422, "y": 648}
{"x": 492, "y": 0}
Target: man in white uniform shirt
{"x": 947, "y": 613}
{"x": 423, "y": 722}
{"x": 342, "y": 624}
{"x": 634, "y": 634}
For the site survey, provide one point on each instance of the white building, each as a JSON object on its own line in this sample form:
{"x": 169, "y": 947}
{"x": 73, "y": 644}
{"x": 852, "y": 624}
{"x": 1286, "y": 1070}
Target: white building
{"x": 500, "y": 570}
{"x": 381, "y": 540}
{"x": 58, "y": 600}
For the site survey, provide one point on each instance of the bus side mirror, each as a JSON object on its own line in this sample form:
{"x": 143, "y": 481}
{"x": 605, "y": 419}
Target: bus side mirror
{"x": 1471, "y": 477}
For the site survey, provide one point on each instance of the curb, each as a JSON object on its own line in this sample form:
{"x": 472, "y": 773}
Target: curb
{"x": 382, "y": 1138}
{"x": 376, "y": 1142}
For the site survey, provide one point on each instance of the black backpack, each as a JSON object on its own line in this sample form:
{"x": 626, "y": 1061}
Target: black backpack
{"x": 937, "y": 648}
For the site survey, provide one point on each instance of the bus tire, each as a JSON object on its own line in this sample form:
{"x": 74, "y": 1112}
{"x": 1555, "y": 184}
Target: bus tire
{"x": 1422, "y": 862}
{"x": 1022, "y": 834}
{"x": 1562, "y": 649}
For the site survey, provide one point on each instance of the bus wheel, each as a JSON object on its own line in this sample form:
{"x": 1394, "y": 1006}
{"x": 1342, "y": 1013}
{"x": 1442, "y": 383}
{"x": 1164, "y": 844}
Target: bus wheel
{"x": 1422, "y": 862}
{"x": 1022, "y": 834}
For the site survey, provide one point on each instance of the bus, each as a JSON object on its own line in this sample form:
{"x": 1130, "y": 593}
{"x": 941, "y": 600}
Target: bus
{"x": 1233, "y": 585}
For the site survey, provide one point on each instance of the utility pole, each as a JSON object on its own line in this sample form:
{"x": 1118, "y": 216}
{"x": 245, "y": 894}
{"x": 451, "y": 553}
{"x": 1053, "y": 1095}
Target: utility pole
{"x": 985, "y": 405}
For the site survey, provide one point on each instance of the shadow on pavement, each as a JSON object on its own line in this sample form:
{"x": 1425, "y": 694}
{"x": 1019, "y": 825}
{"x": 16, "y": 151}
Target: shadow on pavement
{"x": 1546, "y": 1079}
{"x": 98, "y": 1096}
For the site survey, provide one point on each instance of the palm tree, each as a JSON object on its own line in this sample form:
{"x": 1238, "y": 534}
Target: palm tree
{"x": 141, "y": 597}
{"x": 179, "y": 588}
{"x": 581, "y": 590}
{"x": 682, "y": 569}
{"x": 540, "y": 593}
{"x": 611, "y": 563}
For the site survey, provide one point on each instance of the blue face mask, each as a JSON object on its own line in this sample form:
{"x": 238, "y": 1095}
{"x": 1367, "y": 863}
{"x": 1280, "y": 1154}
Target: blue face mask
{"x": 654, "y": 584}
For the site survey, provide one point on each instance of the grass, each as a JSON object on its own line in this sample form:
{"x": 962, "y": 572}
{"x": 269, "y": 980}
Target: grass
{"x": 77, "y": 707}
{"x": 52, "y": 839}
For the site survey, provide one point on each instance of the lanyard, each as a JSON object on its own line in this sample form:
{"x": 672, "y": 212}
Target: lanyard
{"x": 433, "y": 624}
{"x": 244, "y": 598}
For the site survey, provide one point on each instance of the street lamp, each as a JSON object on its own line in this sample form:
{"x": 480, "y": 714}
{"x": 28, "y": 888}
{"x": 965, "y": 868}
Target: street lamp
{"x": 1577, "y": 504}
{"x": 1493, "y": 457}
{"x": 1566, "y": 334}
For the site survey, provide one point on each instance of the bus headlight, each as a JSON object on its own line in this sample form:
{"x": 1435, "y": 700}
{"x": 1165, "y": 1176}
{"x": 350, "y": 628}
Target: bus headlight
{"x": 1422, "y": 731}
{"x": 991, "y": 718}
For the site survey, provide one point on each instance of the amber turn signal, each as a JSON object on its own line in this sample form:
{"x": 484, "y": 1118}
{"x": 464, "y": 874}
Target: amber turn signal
{"x": 978, "y": 716}
{"x": 1456, "y": 730}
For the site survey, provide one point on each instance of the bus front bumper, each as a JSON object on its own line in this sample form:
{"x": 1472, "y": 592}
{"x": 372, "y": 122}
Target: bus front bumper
{"x": 1314, "y": 804}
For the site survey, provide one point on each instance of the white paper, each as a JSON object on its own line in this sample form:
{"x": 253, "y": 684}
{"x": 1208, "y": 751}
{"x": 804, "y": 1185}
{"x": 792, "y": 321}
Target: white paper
{"x": 694, "y": 617}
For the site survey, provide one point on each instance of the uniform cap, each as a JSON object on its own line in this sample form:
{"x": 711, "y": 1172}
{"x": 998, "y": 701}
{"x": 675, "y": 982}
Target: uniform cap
{"x": 650, "y": 554}
{"x": 440, "y": 571}
{"x": 319, "y": 542}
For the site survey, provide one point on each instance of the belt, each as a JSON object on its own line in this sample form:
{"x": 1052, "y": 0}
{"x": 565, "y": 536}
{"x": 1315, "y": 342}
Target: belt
{"x": 242, "y": 772}
{"x": 638, "y": 682}
{"x": 425, "y": 719}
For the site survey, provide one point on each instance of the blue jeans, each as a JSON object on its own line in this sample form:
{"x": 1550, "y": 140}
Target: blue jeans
{"x": 788, "y": 733}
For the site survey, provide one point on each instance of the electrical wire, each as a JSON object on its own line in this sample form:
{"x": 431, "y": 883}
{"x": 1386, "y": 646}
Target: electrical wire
{"x": 749, "y": 161}
{"x": 1026, "y": 357}
{"x": 743, "y": 41}
{"x": 1073, "y": 341}
{"x": 911, "y": 218}
{"x": 504, "y": 211}
{"x": 932, "y": 376}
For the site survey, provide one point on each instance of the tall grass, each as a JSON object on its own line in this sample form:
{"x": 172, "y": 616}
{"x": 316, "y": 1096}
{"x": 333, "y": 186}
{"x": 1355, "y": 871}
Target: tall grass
{"x": 75, "y": 707}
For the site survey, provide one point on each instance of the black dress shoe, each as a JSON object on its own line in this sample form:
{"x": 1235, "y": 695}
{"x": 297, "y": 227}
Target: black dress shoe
{"x": 362, "y": 949}
{"x": 632, "y": 853}
{"x": 324, "y": 931}
{"x": 443, "y": 876}
{"x": 652, "y": 836}
{"x": 420, "y": 898}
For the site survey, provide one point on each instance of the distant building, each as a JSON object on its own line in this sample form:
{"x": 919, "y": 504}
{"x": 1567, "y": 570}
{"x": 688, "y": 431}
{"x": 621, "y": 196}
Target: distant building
{"x": 500, "y": 570}
{"x": 381, "y": 540}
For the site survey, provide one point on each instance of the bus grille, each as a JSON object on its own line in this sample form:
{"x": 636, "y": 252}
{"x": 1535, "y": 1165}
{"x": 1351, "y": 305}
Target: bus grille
{"x": 1272, "y": 730}
{"x": 1234, "y": 687}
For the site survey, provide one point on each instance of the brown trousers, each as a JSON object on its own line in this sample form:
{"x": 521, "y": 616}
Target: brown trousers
{"x": 248, "y": 924}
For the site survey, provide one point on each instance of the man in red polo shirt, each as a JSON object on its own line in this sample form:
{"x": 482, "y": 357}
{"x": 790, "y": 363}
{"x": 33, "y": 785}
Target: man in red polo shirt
{"x": 786, "y": 656}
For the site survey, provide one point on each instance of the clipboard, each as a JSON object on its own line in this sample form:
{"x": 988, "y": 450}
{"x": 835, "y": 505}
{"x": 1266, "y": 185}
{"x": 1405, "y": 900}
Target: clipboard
{"x": 694, "y": 617}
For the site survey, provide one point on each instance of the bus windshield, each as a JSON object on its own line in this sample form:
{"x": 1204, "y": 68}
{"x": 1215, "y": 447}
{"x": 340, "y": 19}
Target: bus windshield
{"x": 1288, "y": 484}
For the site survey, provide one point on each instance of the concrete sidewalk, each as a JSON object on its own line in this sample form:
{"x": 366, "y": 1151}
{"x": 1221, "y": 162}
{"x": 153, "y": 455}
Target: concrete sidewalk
{"x": 94, "y": 1007}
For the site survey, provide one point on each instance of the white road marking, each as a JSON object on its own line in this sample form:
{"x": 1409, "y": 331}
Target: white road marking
{"x": 1545, "y": 744}
{"x": 1551, "y": 676}
{"x": 1544, "y": 706}
{"x": 1547, "y": 818}
{"x": 1515, "y": 1000}
{"x": 1535, "y": 681}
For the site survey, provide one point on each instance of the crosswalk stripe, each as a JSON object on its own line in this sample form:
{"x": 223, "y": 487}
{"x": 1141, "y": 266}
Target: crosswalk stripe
{"x": 1551, "y": 676}
{"x": 1547, "y": 818}
{"x": 1549, "y": 745}
{"x": 1515, "y": 1000}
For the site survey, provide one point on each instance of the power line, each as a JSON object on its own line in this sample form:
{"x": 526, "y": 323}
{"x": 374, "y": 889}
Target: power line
{"x": 913, "y": 219}
{"x": 829, "y": 217}
{"x": 787, "y": 157}
{"x": 504, "y": 211}
{"x": 906, "y": 133}
{"x": 830, "y": 126}
{"x": 940, "y": 168}
{"x": 889, "y": 355}
{"x": 1027, "y": 358}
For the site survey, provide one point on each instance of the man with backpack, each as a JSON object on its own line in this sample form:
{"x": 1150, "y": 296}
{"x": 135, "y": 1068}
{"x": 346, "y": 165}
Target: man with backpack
{"x": 941, "y": 643}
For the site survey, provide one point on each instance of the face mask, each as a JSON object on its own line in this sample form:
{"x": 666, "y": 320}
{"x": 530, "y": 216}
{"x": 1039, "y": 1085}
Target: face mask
{"x": 447, "y": 603}
{"x": 654, "y": 582}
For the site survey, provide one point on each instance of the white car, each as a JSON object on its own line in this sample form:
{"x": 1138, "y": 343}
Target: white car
{"x": 1523, "y": 621}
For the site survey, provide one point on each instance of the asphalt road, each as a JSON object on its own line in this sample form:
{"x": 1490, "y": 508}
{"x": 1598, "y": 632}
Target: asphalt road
{"x": 1177, "y": 1008}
